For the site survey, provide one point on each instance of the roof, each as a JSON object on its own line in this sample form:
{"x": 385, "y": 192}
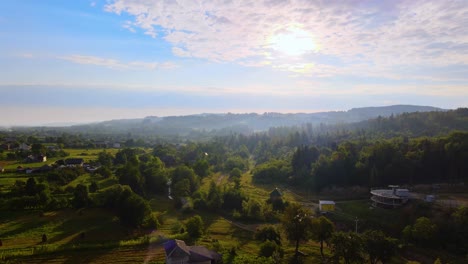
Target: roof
{"x": 386, "y": 193}
{"x": 74, "y": 161}
{"x": 170, "y": 245}
{"x": 326, "y": 202}
{"x": 276, "y": 192}
{"x": 195, "y": 253}
{"x": 200, "y": 253}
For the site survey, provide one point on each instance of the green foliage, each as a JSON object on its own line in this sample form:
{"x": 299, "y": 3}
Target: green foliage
{"x": 93, "y": 187}
{"x": 235, "y": 162}
{"x": 423, "y": 231}
{"x": 347, "y": 246}
{"x": 269, "y": 248}
{"x": 275, "y": 171}
{"x": 195, "y": 227}
{"x": 268, "y": 232}
{"x": 80, "y": 196}
{"x": 186, "y": 174}
{"x": 155, "y": 176}
{"x": 38, "y": 149}
{"x": 214, "y": 200}
{"x": 297, "y": 224}
{"x": 106, "y": 159}
{"x": 378, "y": 246}
{"x": 245, "y": 259}
{"x": 235, "y": 173}
{"x": 132, "y": 210}
{"x": 130, "y": 175}
{"x": 322, "y": 230}
{"x": 31, "y": 187}
{"x": 302, "y": 160}
{"x": 64, "y": 176}
{"x": 253, "y": 209}
{"x": 233, "y": 199}
{"x": 202, "y": 168}
{"x": 104, "y": 171}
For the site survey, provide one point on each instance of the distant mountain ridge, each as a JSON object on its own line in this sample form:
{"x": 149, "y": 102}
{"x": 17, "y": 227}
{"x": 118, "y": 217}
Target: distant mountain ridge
{"x": 243, "y": 123}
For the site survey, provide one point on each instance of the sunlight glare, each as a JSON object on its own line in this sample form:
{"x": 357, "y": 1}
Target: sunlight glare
{"x": 293, "y": 42}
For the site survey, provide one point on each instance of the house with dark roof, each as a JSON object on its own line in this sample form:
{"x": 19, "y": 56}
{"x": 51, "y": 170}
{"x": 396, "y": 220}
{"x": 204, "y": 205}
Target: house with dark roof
{"x": 276, "y": 194}
{"x": 35, "y": 158}
{"x": 177, "y": 252}
{"x": 74, "y": 162}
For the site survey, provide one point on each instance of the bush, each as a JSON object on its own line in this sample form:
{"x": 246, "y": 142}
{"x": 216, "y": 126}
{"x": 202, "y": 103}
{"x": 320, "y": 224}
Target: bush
{"x": 268, "y": 248}
{"x": 195, "y": 227}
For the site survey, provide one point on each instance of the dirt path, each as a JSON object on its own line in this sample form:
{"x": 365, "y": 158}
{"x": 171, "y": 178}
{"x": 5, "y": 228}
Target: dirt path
{"x": 220, "y": 179}
{"x": 250, "y": 228}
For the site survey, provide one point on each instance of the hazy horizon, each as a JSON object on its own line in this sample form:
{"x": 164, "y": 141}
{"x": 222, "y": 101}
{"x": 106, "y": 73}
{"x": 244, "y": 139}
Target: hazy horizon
{"x": 88, "y": 61}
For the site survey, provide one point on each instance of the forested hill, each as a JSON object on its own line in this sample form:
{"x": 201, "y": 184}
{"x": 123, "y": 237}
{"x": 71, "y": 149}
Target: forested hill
{"x": 222, "y": 124}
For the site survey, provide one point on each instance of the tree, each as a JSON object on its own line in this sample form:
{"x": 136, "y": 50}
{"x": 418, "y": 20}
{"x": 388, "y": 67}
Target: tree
{"x": 185, "y": 173}
{"x": 202, "y": 168}
{"x": 155, "y": 175}
{"x": 235, "y": 173}
{"x": 423, "y": 231}
{"x": 269, "y": 248}
{"x": 322, "y": 230}
{"x": 214, "y": 199}
{"x": 38, "y": 149}
{"x": 378, "y": 246}
{"x": 130, "y": 175}
{"x": 104, "y": 171}
{"x": 195, "y": 226}
{"x": 268, "y": 232}
{"x": 182, "y": 188}
{"x": 105, "y": 159}
{"x": 132, "y": 210}
{"x": 93, "y": 187}
{"x": 30, "y": 187}
{"x": 80, "y": 196}
{"x": 347, "y": 246}
{"x": 297, "y": 223}
{"x": 253, "y": 209}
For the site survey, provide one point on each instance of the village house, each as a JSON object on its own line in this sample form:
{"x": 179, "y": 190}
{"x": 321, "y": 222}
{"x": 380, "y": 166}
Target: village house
{"x": 34, "y": 158}
{"x": 178, "y": 252}
{"x": 74, "y": 162}
{"x": 276, "y": 194}
{"x": 24, "y": 147}
{"x": 326, "y": 206}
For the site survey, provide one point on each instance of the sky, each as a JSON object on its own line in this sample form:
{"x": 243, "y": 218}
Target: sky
{"x": 85, "y": 61}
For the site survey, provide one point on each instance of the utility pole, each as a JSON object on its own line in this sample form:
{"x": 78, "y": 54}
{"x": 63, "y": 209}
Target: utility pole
{"x": 356, "y": 220}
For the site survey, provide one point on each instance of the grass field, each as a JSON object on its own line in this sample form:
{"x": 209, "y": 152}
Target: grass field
{"x": 86, "y": 154}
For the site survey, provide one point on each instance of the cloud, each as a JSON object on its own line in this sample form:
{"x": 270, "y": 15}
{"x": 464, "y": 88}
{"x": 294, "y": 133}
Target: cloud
{"x": 382, "y": 35}
{"x": 116, "y": 64}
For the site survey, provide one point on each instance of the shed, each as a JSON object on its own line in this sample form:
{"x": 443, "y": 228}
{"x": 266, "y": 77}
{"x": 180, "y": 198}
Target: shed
{"x": 326, "y": 206}
{"x": 275, "y": 194}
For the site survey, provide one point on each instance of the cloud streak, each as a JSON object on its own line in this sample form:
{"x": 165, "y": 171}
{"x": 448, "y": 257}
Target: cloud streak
{"x": 117, "y": 64}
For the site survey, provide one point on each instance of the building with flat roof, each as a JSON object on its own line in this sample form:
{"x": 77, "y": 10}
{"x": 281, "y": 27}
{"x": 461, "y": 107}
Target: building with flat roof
{"x": 326, "y": 206}
{"x": 390, "y": 198}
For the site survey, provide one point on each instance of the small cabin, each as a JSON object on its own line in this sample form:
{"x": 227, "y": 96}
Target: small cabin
{"x": 275, "y": 195}
{"x": 326, "y": 206}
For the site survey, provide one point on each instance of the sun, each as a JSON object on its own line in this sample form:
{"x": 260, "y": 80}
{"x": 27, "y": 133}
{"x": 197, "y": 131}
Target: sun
{"x": 293, "y": 42}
